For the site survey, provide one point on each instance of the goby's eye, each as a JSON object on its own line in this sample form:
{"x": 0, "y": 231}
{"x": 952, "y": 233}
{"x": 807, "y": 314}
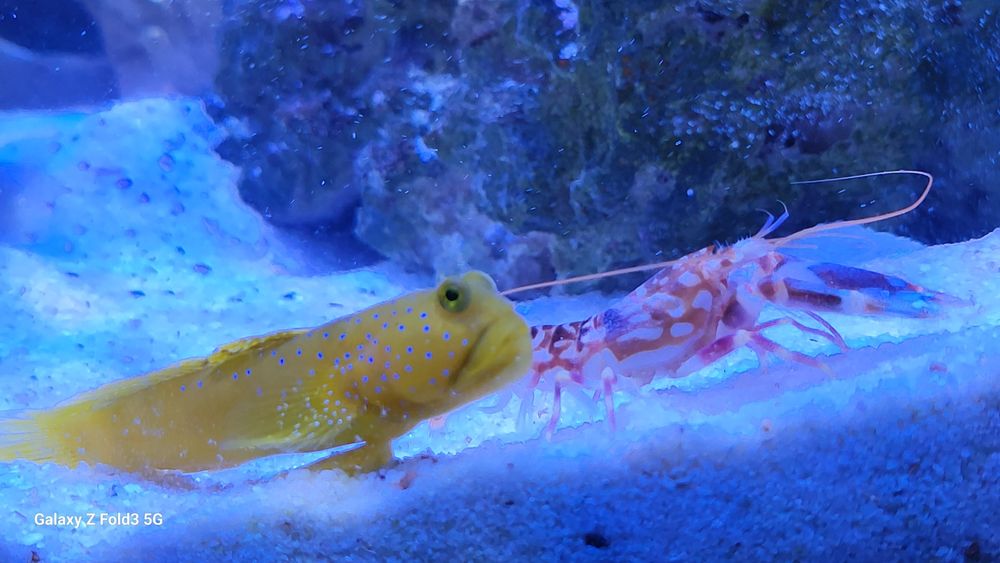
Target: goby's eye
{"x": 453, "y": 297}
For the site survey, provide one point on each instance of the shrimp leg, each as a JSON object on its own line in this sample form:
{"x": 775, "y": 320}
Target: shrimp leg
{"x": 761, "y": 345}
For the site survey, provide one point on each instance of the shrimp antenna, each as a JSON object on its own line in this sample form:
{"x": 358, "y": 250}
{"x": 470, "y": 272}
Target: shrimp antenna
{"x": 864, "y": 220}
{"x": 589, "y": 277}
{"x": 768, "y": 228}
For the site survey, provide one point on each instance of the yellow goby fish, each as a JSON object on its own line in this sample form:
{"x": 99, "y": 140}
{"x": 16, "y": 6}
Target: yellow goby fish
{"x": 370, "y": 376}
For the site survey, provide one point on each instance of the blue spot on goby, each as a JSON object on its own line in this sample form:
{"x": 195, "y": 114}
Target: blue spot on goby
{"x": 371, "y": 360}
{"x": 199, "y": 384}
{"x": 298, "y": 352}
{"x": 409, "y": 349}
{"x": 326, "y": 335}
{"x": 432, "y": 381}
{"x": 375, "y": 316}
{"x": 274, "y": 353}
{"x": 445, "y": 372}
{"x": 361, "y": 346}
{"x": 281, "y": 361}
{"x": 236, "y": 375}
{"x": 428, "y": 355}
{"x": 364, "y": 379}
{"x": 423, "y": 315}
{"x": 312, "y": 372}
{"x": 319, "y": 355}
{"x": 409, "y": 309}
{"x": 446, "y": 335}
{"x": 249, "y": 371}
{"x": 378, "y": 389}
{"x": 385, "y": 325}
{"x": 465, "y": 342}
{"x": 402, "y": 327}
{"x": 427, "y": 328}
{"x": 260, "y": 392}
{"x": 183, "y": 388}
{"x": 343, "y": 335}
{"x": 347, "y": 355}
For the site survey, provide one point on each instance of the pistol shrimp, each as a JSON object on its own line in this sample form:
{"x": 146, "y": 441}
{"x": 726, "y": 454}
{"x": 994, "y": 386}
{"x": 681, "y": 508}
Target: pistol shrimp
{"x": 698, "y": 309}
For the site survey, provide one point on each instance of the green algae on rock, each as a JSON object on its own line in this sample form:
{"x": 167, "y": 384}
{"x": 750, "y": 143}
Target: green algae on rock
{"x": 590, "y": 135}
